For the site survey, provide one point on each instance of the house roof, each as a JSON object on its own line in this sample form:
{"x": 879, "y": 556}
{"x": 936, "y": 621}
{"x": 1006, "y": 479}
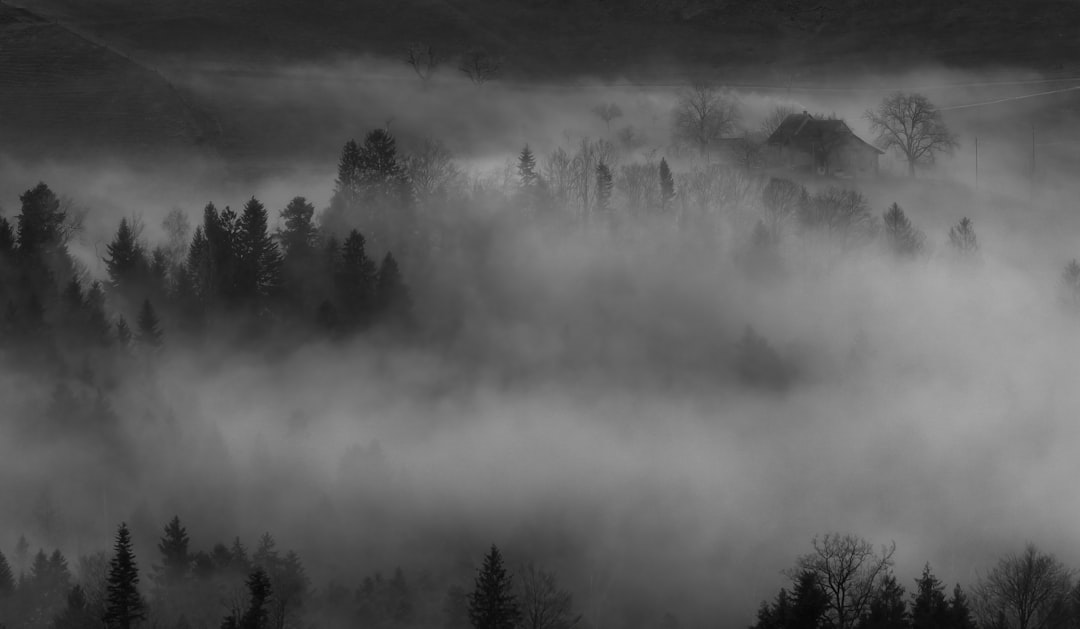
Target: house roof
{"x": 806, "y": 132}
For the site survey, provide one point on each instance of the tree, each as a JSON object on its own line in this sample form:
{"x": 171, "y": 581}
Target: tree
{"x": 1070, "y": 283}
{"x": 962, "y": 237}
{"x": 543, "y": 604}
{"x": 78, "y": 614}
{"x": 392, "y": 300}
{"x": 41, "y": 221}
{"x": 126, "y": 262}
{"x": 850, "y": 573}
{"x": 149, "y": 332}
{"x": 929, "y": 608}
{"x": 703, "y": 115}
{"x": 1026, "y": 591}
{"x": 480, "y": 66}
{"x": 355, "y": 279}
{"x": 123, "y": 332}
{"x": 842, "y": 214}
{"x": 7, "y": 578}
{"x": 667, "y": 185}
{"x": 782, "y": 199}
{"x": 259, "y": 260}
{"x": 608, "y": 112}
{"x": 887, "y": 609}
{"x": 175, "y": 558}
{"x": 492, "y": 604}
{"x": 603, "y": 188}
{"x": 960, "y": 615}
{"x": 900, "y": 236}
{"x": 912, "y": 125}
{"x": 423, "y": 60}
{"x": 526, "y": 168}
{"x": 124, "y": 606}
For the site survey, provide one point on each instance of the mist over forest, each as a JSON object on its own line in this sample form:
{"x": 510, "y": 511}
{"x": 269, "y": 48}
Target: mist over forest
{"x": 430, "y": 337}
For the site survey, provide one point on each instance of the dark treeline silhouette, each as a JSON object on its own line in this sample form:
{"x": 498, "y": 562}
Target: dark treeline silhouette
{"x": 230, "y": 588}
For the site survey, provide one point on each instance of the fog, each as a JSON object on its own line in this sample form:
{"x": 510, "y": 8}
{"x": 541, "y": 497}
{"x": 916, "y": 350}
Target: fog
{"x": 575, "y": 398}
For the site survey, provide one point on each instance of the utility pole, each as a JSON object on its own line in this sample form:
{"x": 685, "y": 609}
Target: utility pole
{"x": 1031, "y": 194}
{"x": 976, "y": 163}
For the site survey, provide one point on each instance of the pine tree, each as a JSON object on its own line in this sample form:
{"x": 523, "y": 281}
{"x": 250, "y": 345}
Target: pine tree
{"x": 960, "y": 615}
{"x": 126, "y": 261}
{"x": 809, "y": 603}
{"x": 347, "y": 185}
{"x": 492, "y": 604}
{"x": 299, "y": 236}
{"x": 7, "y": 578}
{"x": 150, "y": 333}
{"x": 888, "y": 609}
{"x": 78, "y": 614}
{"x": 962, "y": 237}
{"x": 124, "y": 606}
{"x": 123, "y": 332}
{"x": 259, "y": 261}
{"x": 526, "y": 168}
{"x": 41, "y": 221}
{"x": 7, "y": 237}
{"x": 603, "y": 187}
{"x": 667, "y": 185}
{"x": 392, "y": 299}
{"x": 257, "y": 615}
{"x": 175, "y": 558}
{"x": 355, "y": 279}
{"x": 900, "y": 236}
{"x": 929, "y": 609}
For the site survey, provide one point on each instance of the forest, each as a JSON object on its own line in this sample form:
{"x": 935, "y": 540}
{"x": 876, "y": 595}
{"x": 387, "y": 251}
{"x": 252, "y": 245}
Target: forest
{"x": 199, "y": 377}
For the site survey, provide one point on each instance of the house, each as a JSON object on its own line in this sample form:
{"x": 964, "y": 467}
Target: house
{"x": 824, "y": 146}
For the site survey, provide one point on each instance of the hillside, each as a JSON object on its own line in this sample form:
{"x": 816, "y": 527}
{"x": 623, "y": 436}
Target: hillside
{"x": 556, "y": 38}
{"x": 62, "y": 94}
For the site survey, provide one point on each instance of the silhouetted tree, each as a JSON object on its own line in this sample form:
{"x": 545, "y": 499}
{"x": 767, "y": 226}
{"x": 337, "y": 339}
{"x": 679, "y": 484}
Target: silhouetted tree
{"x": 175, "y": 558}
{"x": 149, "y": 327}
{"x": 703, "y": 114}
{"x": 526, "y": 168}
{"x": 911, "y": 124}
{"x": 480, "y": 66}
{"x": 124, "y": 606}
{"x": 544, "y": 605}
{"x": 667, "y": 185}
{"x": 78, "y": 614}
{"x": 392, "y": 300}
{"x": 41, "y": 221}
{"x": 900, "y": 236}
{"x": 960, "y": 614}
{"x": 850, "y": 573}
{"x": 126, "y": 262}
{"x": 258, "y": 258}
{"x": 962, "y": 237}
{"x": 929, "y": 607}
{"x": 1026, "y": 591}
{"x": 492, "y": 604}
{"x": 123, "y": 332}
{"x": 355, "y": 279}
{"x": 7, "y": 578}
{"x": 608, "y": 112}
{"x": 887, "y": 609}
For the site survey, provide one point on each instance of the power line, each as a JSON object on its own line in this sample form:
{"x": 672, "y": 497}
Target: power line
{"x": 1010, "y": 98}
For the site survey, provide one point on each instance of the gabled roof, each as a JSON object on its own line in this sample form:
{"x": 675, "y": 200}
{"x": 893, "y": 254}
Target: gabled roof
{"x": 807, "y": 132}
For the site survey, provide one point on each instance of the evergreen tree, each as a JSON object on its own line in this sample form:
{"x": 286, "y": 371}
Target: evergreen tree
{"x": 124, "y": 606}
{"x": 258, "y": 258}
{"x": 929, "y": 609}
{"x": 810, "y": 603}
{"x": 888, "y": 609}
{"x": 299, "y": 236}
{"x": 347, "y": 184}
{"x": 667, "y": 185}
{"x": 7, "y": 578}
{"x": 257, "y": 615}
{"x": 603, "y": 188}
{"x": 123, "y": 332}
{"x": 126, "y": 261}
{"x": 150, "y": 333}
{"x": 41, "y": 222}
{"x": 492, "y": 604}
{"x": 526, "y": 168}
{"x": 960, "y": 614}
{"x": 962, "y": 237}
{"x": 175, "y": 558}
{"x": 7, "y": 238}
{"x": 379, "y": 167}
{"x": 78, "y": 614}
{"x": 900, "y": 236}
{"x": 392, "y": 299}
{"x": 355, "y": 279}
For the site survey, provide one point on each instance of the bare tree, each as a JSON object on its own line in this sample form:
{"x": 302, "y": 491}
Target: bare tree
{"x": 608, "y": 112}
{"x": 748, "y": 150}
{"x": 849, "y": 572}
{"x": 782, "y": 199}
{"x": 432, "y": 170}
{"x": 423, "y": 59}
{"x": 543, "y": 604}
{"x": 480, "y": 66}
{"x": 912, "y": 125}
{"x": 704, "y": 114}
{"x": 1027, "y": 591}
